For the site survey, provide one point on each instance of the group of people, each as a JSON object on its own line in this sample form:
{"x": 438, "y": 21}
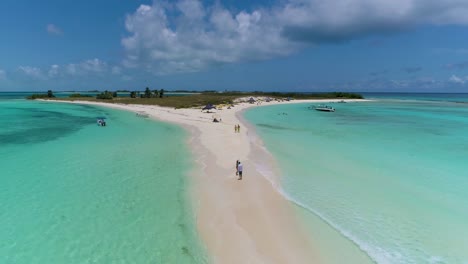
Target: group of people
{"x": 236, "y": 128}
{"x": 239, "y": 169}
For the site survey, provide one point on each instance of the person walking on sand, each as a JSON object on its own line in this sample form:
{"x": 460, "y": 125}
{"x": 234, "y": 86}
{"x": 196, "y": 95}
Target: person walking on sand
{"x": 238, "y": 128}
{"x": 240, "y": 169}
{"x": 237, "y": 167}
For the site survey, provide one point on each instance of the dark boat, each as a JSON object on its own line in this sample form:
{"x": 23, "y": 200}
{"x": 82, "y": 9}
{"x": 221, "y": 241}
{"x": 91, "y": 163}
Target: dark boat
{"x": 101, "y": 121}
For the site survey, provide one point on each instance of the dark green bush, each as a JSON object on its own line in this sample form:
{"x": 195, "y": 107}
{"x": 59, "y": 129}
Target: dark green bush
{"x": 37, "y": 96}
{"x": 105, "y": 95}
{"x": 79, "y": 95}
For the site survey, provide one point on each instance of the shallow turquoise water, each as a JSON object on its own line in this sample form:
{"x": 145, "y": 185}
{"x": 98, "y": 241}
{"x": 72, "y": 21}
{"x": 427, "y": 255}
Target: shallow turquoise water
{"x": 389, "y": 175}
{"x": 74, "y": 192}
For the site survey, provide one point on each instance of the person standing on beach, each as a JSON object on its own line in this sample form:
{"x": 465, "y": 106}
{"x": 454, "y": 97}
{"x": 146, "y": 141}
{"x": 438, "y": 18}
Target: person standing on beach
{"x": 237, "y": 167}
{"x": 238, "y": 128}
{"x": 240, "y": 169}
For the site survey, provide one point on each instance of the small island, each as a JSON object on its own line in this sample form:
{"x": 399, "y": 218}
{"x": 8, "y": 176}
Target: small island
{"x": 194, "y": 100}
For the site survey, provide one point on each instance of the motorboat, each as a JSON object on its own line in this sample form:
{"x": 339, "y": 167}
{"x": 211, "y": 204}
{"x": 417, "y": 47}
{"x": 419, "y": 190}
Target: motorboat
{"x": 324, "y": 108}
{"x": 142, "y": 114}
{"x": 101, "y": 121}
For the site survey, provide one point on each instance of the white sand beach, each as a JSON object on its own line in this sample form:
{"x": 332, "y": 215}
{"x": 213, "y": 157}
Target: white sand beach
{"x": 245, "y": 221}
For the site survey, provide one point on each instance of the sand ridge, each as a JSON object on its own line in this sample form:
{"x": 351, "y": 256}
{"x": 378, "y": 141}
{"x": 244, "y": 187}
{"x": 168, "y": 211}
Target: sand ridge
{"x": 246, "y": 221}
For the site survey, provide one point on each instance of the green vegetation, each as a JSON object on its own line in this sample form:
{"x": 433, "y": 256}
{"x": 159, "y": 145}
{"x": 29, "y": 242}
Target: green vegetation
{"x": 49, "y": 94}
{"x": 37, "y": 96}
{"x": 294, "y": 95}
{"x": 202, "y": 99}
{"x": 105, "y": 95}
{"x": 77, "y": 95}
{"x": 148, "y": 93}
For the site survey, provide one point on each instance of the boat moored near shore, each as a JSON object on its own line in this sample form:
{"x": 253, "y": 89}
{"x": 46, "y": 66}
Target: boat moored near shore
{"x": 323, "y": 108}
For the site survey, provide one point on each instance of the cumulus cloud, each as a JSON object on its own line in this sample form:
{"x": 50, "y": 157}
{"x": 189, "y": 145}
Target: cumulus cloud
{"x": 54, "y": 70}
{"x": 93, "y": 66}
{"x": 185, "y": 35}
{"x": 334, "y": 21}
{"x": 116, "y": 70}
{"x": 53, "y": 30}
{"x": 32, "y": 72}
{"x": 458, "y": 80}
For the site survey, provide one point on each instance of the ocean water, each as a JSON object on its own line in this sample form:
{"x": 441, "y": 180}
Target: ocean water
{"x": 390, "y": 176}
{"x": 74, "y": 192}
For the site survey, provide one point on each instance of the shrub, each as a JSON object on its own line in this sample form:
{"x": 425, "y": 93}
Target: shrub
{"x": 37, "y": 96}
{"x": 79, "y": 95}
{"x": 50, "y": 94}
{"x": 105, "y": 95}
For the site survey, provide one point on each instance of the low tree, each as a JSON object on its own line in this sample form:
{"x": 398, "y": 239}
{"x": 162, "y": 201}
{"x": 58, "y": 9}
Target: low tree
{"x": 161, "y": 93}
{"x": 155, "y": 93}
{"x": 147, "y": 93}
{"x": 105, "y": 95}
{"x": 50, "y": 94}
{"x": 133, "y": 94}
{"x": 114, "y": 94}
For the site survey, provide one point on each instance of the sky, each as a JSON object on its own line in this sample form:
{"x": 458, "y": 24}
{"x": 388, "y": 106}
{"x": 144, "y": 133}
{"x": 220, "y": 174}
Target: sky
{"x": 269, "y": 45}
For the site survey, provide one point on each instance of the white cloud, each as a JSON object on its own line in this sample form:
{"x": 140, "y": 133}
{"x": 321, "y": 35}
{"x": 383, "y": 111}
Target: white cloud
{"x": 71, "y": 69}
{"x": 185, "y": 35}
{"x": 458, "y": 80}
{"x": 33, "y": 72}
{"x": 93, "y": 66}
{"x": 54, "y": 70}
{"x": 202, "y": 38}
{"x": 116, "y": 70}
{"x": 53, "y": 30}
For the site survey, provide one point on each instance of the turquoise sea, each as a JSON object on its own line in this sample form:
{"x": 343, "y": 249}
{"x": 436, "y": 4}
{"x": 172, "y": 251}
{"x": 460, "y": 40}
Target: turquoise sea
{"x": 390, "y": 176}
{"x": 74, "y": 192}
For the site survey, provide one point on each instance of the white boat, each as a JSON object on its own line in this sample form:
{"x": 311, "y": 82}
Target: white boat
{"x": 324, "y": 108}
{"x": 142, "y": 114}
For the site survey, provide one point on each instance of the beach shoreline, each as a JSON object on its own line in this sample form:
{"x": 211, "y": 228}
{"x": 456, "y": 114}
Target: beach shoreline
{"x": 246, "y": 221}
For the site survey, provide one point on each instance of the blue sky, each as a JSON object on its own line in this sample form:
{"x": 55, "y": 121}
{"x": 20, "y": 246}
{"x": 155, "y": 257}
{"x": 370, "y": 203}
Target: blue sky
{"x": 275, "y": 45}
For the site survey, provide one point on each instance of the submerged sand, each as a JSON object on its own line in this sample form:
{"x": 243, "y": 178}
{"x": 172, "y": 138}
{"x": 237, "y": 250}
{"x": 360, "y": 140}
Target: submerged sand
{"x": 240, "y": 221}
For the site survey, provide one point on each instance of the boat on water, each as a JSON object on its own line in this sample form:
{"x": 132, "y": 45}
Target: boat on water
{"x": 101, "y": 121}
{"x": 142, "y": 114}
{"x": 324, "y": 108}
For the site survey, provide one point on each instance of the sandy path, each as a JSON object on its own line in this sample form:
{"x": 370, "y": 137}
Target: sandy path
{"x": 244, "y": 221}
